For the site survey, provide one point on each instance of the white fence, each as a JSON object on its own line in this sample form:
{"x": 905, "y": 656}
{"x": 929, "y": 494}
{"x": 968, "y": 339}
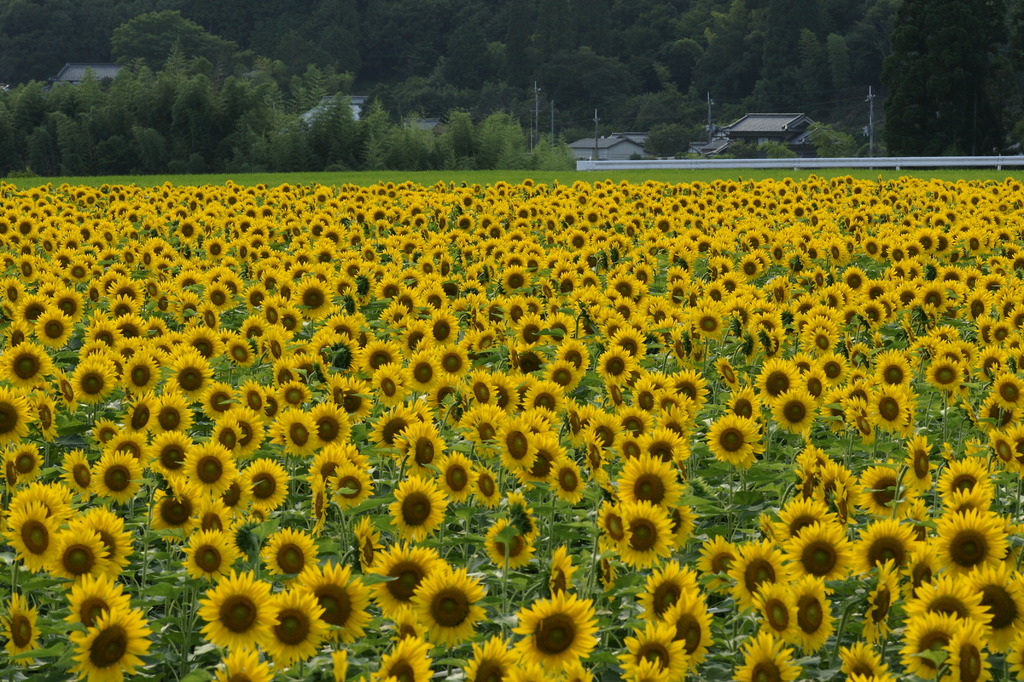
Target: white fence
{"x": 879, "y": 162}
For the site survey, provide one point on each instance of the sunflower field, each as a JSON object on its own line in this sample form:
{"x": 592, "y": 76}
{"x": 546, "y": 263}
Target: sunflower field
{"x": 655, "y": 432}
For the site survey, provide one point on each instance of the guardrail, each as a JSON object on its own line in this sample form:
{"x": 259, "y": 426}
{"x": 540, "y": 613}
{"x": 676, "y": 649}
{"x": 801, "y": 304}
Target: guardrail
{"x": 879, "y": 162}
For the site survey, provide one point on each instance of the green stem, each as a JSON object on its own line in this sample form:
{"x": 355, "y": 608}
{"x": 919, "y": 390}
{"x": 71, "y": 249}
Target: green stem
{"x": 839, "y": 632}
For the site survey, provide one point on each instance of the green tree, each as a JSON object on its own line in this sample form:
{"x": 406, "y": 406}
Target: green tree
{"x": 831, "y": 143}
{"x": 942, "y": 78}
{"x": 152, "y": 36}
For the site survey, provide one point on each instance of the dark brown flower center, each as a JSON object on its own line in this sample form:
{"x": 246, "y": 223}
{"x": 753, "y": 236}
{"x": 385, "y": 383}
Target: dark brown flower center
{"x": 238, "y": 613}
{"x": 335, "y": 602}
{"x": 292, "y": 627}
{"x": 449, "y": 607}
{"x": 109, "y": 647}
{"x": 555, "y": 634}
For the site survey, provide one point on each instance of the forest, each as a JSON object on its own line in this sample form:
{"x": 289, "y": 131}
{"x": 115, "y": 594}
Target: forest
{"x": 222, "y": 86}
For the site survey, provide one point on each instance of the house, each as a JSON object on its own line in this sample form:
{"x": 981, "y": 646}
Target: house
{"x": 355, "y": 104}
{"x": 615, "y": 147}
{"x": 787, "y": 129}
{"x": 74, "y": 74}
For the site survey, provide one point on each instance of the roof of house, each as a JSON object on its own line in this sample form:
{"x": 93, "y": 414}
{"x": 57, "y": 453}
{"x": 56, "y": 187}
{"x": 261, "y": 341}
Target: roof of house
{"x": 355, "y": 102}
{"x": 767, "y": 123}
{"x": 75, "y": 73}
{"x": 716, "y": 146}
{"x": 609, "y": 141}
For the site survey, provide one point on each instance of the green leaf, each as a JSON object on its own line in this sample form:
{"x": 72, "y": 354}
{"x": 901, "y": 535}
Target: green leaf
{"x": 198, "y": 676}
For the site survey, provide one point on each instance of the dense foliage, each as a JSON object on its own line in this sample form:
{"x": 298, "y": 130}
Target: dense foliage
{"x": 180, "y": 120}
{"x": 642, "y": 65}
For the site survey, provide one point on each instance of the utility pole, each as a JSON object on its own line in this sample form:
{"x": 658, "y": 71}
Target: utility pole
{"x": 552, "y": 123}
{"x": 596, "y": 119}
{"x": 871, "y": 121}
{"x": 710, "y": 102}
{"x": 535, "y": 133}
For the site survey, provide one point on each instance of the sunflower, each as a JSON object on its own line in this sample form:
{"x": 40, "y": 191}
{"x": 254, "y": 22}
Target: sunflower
{"x": 289, "y": 552}
{"x": 296, "y": 431}
{"x": 168, "y": 451}
{"x": 970, "y": 540}
{"x": 755, "y": 563}
{"x": 776, "y": 377}
{"x": 210, "y": 554}
{"x": 822, "y": 550}
{"x": 173, "y": 413}
{"x": 244, "y": 665}
{"x": 931, "y": 632}
{"x": 211, "y": 467}
{"x": 407, "y": 566}
{"x": 408, "y": 661}
{"x": 881, "y": 541}
{"x": 716, "y": 558}
{"x": 664, "y": 587}
{"x": 649, "y": 479}
{"x": 655, "y": 642}
{"x": 331, "y": 422}
{"x": 879, "y": 491}
{"x": 861, "y": 659}
{"x": 238, "y": 612}
{"x": 735, "y": 439}
{"x": 777, "y": 608}
{"x": 891, "y": 408}
{"x": 1002, "y": 596}
{"x": 446, "y": 602}
{"x": 367, "y": 542}
{"x": 505, "y": 543}
{"x": 343, "y": 598}
{"x": 267, "y": 482}
{"x": 175, "y": 509}
{"x": 53, "y": 328}
{"x": 893, "y": 368}
{"x": 79, "y": 553}
{"x": 615, "y": 366}
{"x": 32, "y": 531}
{"x": 116, "y": 540}
{"x": 968, "y": 659}
{"x": 485, "y": 489}
{"x": 799, "y": 513}
{"x": 191, "y": 373}
{"x": 113, "y": 647}
{"x": 516, "y": 438}
{"x": 883, "y": 595}
{"x": 491, "y": 661}
{"x": 566, "y": 480}
{"x": 25, "y": 365}
{"x": 15, "y": 416}
{"x": 692, "y": 622}
{"x": 418, "y": 509}
{"x": 766, "y": 658}
{"x": 77, "y": 474}
{"x": 556, "y": 631}
{"x": 117, "y": 476}
{"x": 795, "y": 410}
{"x": 22, "y": 463}
{"x": 457, "y": 476}
{"x": 947, "y": 594}
{"x": 561, "y": 570}
{"x": 391, "y": 422}
{"x": 648, "y": 533}
{"x": 92, "y": 596}
{"x": 918, "y": 464}
{"x": 1008, "y": 390}
{"x": 19, "y": 627}
{"x": 300, "y": 627}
